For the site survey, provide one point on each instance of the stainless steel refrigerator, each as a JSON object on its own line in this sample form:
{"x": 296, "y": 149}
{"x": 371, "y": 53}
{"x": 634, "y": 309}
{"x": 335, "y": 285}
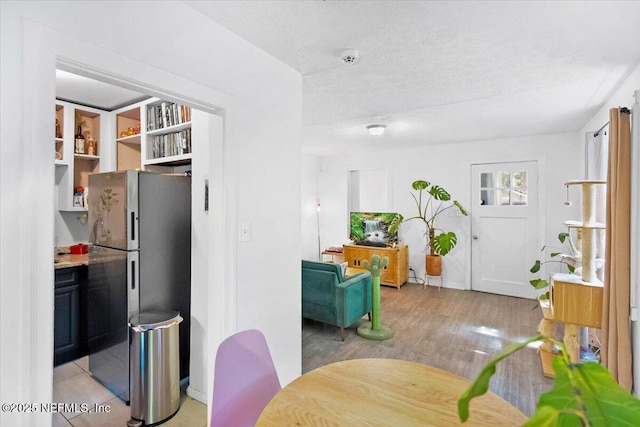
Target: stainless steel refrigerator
{"x": 139, "y": 260}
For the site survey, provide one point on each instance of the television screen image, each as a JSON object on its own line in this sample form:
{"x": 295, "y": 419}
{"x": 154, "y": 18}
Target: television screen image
{"x": 372, "y": 228}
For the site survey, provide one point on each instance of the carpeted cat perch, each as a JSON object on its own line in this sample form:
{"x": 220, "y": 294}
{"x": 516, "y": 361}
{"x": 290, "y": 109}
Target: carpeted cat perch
{"x": 374, "y": 330}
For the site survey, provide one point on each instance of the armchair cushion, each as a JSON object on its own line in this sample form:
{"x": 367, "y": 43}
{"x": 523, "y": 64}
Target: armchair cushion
{"x": 324, "y": 266}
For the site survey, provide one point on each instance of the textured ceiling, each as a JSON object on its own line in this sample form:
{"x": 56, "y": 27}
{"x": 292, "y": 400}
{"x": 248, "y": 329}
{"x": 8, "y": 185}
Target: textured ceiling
{"x": 438, "y": 72}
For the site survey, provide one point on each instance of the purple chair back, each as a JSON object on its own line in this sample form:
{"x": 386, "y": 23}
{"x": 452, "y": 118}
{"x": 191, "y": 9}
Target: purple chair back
{"x": 245, "y": 380}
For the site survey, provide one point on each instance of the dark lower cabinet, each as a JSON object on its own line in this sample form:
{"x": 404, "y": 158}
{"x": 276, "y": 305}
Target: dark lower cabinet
{"x": 69, "y": 330}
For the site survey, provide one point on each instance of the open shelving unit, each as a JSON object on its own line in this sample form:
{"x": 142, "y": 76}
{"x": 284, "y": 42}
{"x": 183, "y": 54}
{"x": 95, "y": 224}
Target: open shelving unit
{"x": 153, "y": 135}
{"x": 128, "y": 137}
{"x": 73, "y": 168}
{"x": 59, "y": 136}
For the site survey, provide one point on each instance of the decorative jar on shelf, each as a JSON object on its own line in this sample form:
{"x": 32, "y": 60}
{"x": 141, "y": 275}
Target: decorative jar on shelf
{"x": 91, "y": 147}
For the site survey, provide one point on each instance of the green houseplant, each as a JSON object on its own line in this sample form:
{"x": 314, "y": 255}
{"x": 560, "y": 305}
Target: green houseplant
{"x": 431, "y": 201}
{"x": 569, "y": 257}
{"x": 583, "y": 394}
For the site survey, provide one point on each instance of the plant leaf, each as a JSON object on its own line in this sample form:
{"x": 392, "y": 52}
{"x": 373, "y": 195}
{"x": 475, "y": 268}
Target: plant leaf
{"x": 544, "y": 296}
{"x": 536, "y": 266}
{"x": 459, "y": 206}
{"x": 604, "y": 402}
{"x": 481, "y": 383}
{"x": 571, "y": 268}
{"x": 539, "y": 283}
{"x": 439, "y": 193}
{"x": 544, "y": 416}
{"x": 419, "y": 185}
{"x": 554, "y": 254}
{"x": 582, "y": 394}
{"x": 444, "y": 242}
{"x": 562, "y": 237}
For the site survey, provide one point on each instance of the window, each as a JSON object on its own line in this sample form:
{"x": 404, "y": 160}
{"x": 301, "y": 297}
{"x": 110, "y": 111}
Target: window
{"x": 504, "y": 188}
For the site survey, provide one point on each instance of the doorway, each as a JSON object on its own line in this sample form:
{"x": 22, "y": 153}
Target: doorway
{"x": 31, "y": 233}
{"x": 504, "y": 229}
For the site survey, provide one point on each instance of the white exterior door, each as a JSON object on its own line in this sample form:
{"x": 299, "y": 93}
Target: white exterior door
{"x": 504, "y": 227}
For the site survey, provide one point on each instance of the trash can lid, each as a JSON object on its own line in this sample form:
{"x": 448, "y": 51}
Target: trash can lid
{"x": 155, "y": 319}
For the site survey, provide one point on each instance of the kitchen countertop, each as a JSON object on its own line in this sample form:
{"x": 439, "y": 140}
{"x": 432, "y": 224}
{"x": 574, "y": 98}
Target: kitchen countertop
{"x": 63, "y": 259}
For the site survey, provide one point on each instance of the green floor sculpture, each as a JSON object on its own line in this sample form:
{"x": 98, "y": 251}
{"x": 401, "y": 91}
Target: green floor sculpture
{"x": 374, "y": 330}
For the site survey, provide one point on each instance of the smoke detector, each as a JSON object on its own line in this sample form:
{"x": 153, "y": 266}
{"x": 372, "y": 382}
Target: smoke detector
{"x": 349, "y": 56}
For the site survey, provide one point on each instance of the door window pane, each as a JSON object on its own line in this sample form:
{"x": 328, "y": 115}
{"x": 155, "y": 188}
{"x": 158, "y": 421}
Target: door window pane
{"x": 486, "y": 197}
{"x": 504, "y": 188}
{"x": 503, "y": 197}
{"x": 486, "y": 180}
{"x": 518, "y": 198}
{"x": 504, "y": 178}
{"x": 519, "y": 179}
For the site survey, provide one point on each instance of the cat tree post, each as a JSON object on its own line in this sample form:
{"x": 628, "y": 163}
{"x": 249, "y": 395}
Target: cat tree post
{"x": 374, "y": 330}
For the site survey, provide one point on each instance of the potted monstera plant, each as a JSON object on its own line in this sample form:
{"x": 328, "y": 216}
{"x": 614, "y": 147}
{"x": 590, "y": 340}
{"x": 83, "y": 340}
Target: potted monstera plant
{"x": 431, "y": 201}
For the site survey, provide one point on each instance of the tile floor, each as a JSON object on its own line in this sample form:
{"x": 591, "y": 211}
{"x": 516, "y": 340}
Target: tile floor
{"x": 73, "y": 384}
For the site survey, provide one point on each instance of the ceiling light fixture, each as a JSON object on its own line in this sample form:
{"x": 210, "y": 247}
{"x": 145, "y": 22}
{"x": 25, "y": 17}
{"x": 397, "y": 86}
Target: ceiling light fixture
{"x": 376, "y": 130}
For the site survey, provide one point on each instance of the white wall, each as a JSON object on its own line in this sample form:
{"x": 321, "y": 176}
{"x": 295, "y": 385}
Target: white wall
{"x": 261, "y": 101}
{"x": 560, "y": 158}
{"x": 310, "y": 214}
{"x": 69, "y": 228}
{"x": 369, "y": 191}
{"x": 624, "y": 97}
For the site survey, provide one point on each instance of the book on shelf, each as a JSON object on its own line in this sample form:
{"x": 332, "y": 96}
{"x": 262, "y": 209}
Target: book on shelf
{"x": 171, "y": 144}
{"x": 150, "y": 121}
{"x": 167, "y": 114}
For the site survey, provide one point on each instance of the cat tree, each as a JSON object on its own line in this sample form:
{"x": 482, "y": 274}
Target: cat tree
{"x": 375, "y": 330}
{"x": 575, "y": 300}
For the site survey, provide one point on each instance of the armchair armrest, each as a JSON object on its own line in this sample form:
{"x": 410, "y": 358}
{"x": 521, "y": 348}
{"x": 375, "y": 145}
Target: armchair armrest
{"x": 356, "y": 279}
{"x": 353, "y": 298}
{"x": 356, "y": 275}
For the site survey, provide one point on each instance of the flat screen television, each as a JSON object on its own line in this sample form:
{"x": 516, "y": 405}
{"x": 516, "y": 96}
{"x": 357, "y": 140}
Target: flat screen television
{"x": 372, "y": 228}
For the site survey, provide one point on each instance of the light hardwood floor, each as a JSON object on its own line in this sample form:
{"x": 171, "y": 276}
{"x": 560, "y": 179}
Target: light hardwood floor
{"x": 458, "y": 331}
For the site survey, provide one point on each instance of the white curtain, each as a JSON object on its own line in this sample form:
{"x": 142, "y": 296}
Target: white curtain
{"x": 596, "y": 159}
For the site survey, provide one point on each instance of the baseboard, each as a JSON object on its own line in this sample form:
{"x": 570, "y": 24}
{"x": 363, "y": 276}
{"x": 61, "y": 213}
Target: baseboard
{"x": 197, "y": 395}
{"x": 448, "y": 285}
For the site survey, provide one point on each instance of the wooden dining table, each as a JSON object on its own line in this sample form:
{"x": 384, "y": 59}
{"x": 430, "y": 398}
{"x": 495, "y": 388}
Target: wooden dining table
{"x": 382, "y": 392}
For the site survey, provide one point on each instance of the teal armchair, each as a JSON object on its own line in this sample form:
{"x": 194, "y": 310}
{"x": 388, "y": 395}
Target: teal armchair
{"x": 330, "y": 298}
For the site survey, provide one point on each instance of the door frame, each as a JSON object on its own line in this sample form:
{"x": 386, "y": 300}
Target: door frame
{"x": 43, "y": 50}
{"x": 540, "y": 211}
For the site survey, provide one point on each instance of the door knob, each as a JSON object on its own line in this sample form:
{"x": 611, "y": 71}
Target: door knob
{"x": 475, "y": 237}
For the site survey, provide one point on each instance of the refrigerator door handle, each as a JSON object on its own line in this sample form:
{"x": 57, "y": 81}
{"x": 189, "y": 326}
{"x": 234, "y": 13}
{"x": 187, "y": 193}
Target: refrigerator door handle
{"x": 133, "y": 284}
{"x": 133, "y": 226}
{"x": 133, "y": 275}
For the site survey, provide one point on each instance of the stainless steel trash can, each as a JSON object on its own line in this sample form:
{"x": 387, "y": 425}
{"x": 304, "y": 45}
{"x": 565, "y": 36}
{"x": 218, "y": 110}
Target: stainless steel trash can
{"x": 154, "y": 353}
